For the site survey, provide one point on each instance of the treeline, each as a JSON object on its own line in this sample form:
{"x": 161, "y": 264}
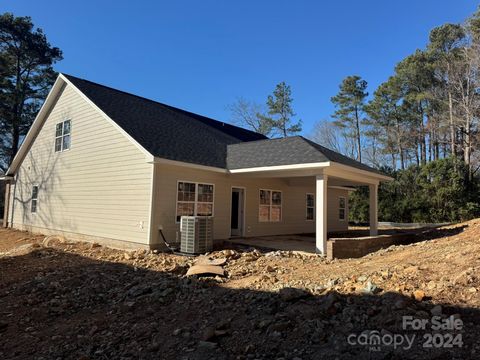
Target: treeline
{"x": 420, "y": 126}
{"x": 436, "y": 192}
{"x": 426, "y": 110}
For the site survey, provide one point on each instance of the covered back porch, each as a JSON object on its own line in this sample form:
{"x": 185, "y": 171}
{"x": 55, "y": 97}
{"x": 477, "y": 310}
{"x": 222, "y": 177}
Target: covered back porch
{"x": 322, "y": 178}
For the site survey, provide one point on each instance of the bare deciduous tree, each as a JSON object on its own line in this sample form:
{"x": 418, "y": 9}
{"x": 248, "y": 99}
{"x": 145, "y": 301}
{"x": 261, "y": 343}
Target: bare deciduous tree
{"x": 251, "y": 115}
{"x": 326, "y": 133}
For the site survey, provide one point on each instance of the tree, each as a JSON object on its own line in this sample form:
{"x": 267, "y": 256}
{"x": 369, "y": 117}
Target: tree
{"x": 386, "y": 121}
{"x": 465, "y": 83}
{"x": 430, "y": 193}
{"x": 280, "y": 112}
{"x": 473, "y": 26}
{"x": 350, "y": 104}
{"x": 251, "y": 115}
{"x": 327, "y": 134}
{"x": 445, "y": 46}
{"x": 26, "y": 74}
{"x": 416, "y": 74}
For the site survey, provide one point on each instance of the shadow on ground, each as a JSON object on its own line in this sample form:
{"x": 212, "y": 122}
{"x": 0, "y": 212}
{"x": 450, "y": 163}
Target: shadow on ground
{"x": 432, "y": 234}
{"x": 55, "y": 304}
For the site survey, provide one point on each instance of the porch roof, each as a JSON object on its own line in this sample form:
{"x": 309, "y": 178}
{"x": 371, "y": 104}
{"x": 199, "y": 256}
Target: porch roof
{"x": 286, "y": 151}
{"x": 286, "y": 156}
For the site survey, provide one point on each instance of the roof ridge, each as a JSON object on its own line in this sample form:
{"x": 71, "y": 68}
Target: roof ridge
{"x": 313, "y": 145}
{"x": 268, "y": 139}
{"x": 323, "y": 148}
{"x": 169, "y": 107}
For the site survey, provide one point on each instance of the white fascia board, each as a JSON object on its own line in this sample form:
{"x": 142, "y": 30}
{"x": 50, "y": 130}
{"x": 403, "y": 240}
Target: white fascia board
{"x": 158, "y": 160}
{"x": 336, "y": 170}
{"x": 318, "y": 165}
{"x": 148, "y": 155}
{"x": 36, "y": 125}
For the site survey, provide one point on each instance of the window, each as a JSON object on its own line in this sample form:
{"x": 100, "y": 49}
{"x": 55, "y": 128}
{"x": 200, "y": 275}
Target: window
{"x": 270, "y": 207}
{"x": 33, "y": 207}
{"x": 310, "y": 206}
{"x": 194, "y": 199}
{"x": 62, "y": 135}
{"x": 342, "y": 205}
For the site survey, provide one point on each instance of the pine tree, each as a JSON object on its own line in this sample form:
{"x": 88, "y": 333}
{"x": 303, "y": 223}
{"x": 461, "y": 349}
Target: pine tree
{"x": 280, "y": 112}
{"x": 350, "y": 106}
{"x": 26, "y": 74}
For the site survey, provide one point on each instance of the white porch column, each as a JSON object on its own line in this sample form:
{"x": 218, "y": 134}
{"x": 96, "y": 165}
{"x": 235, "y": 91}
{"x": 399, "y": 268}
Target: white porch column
{"x": 373, "y": 190}
{"x": 321, "y": 214}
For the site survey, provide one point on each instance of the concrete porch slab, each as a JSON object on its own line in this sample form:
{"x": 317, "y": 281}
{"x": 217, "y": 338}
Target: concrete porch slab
{"x": 278, "y": 242}
{"x": 348, "y": 244}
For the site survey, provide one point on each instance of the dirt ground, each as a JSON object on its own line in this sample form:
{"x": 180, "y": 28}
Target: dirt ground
{"x": 65, "y": 300}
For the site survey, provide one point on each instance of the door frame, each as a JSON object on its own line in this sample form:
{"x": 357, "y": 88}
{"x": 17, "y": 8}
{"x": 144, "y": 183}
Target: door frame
{"x": 242, "y": 220}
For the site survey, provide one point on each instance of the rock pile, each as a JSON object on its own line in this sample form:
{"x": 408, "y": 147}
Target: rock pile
{"x": 79, "y": 300}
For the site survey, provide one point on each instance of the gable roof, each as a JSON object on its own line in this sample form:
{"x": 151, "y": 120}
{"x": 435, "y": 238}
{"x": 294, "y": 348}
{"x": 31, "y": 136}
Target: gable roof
{"x": 286, "y": 151}
{"x": 165, "y": 131}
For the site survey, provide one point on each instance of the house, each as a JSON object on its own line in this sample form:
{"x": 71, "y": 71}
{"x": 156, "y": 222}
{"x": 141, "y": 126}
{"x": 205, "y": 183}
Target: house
{"x": 99, "y": 164}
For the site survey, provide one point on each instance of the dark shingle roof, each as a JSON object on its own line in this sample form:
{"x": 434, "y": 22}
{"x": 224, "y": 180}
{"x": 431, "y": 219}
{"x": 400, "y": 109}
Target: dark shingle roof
{"x": 165, "y": 131}
{"x": 171, "y": 133}
{"x": 285, "y": 151}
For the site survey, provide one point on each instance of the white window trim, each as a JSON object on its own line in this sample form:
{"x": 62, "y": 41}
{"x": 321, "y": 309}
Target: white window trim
{"x": 306, "y": 207}
{"x": 61, "y": 137}
{"x": 270, "y": 205}
{"x": 344, "y": 209}
{"x": 36, "y": 199}
{"x": 196, "y": 201}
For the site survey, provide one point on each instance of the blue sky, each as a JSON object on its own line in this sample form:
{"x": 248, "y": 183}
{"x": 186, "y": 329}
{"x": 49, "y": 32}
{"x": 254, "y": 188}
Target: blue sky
{"x": 202, "y": 55}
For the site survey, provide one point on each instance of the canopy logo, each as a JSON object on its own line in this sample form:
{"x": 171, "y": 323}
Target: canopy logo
{"x": 374, "y": 340}
{"x": 444, "y": 333}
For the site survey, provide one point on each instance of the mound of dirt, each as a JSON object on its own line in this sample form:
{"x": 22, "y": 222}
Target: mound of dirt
{"x": 61, "y": 299}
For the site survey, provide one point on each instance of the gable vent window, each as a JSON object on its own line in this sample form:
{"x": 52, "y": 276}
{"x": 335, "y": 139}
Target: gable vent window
{"x": 33, "y": 207}
{"x": 62, "y": 135}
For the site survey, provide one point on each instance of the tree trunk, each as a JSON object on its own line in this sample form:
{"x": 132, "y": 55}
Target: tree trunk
{"x": 394, "y": 163}
{"x": 444, "y": 146}
{"x": 423, "y": 146}
{"x": 359, "y": 144}
{"x": 452, "y": 125}
{"x": 467, "y": 147}
{"x": 15, "y": 142}
{"x": 417, "y": 152}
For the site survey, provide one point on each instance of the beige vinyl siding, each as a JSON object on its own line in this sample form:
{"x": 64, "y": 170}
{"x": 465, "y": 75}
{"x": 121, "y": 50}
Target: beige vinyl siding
{"x": 293, "y": 220}
{"x": 333, "y": 207}
{"x": 100, "y": 187}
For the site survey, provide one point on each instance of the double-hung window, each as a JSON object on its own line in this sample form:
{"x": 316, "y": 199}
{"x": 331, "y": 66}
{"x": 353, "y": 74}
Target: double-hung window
{"x": 310, "y": 206}
{"x": 342, "y": 208}
{"x": 194, "y": 199}
{"x": 62, "y": 135}
{"x": 33, "y": 206}
{"x": 270, "y": 206}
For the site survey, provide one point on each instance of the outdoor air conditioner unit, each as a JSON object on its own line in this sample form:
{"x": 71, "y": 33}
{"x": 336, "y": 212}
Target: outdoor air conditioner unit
{"x": 196, "y": 234}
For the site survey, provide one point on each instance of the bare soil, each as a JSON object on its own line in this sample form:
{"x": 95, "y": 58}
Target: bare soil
{"x": 68, "y": 300}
